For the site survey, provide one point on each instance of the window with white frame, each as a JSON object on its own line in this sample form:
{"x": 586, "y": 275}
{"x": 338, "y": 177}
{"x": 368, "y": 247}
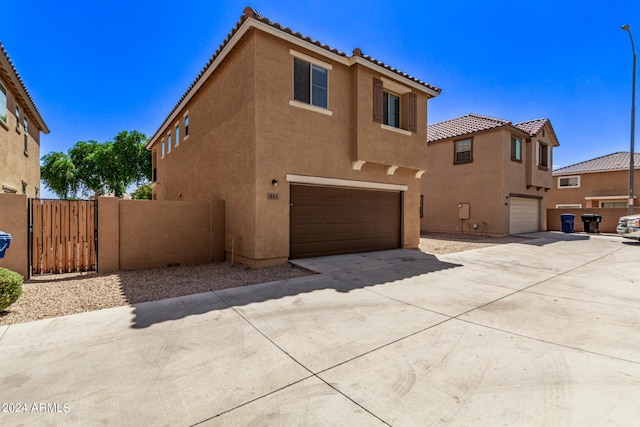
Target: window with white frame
{"x": 310, "y": 80}
{"x": 3, "y": 103}
{"x": 162, "y": 149}
{"x": 569, "y": 182}
{"x": 569, "y": 206}
{"x": 168, "y": 143}
{"x": 186, "y": 126}
{"x": 177, "y": 132}
{"x": 613, "y": 204}
{"x": 391, "y": 109}
{"x": 17, "y": 118}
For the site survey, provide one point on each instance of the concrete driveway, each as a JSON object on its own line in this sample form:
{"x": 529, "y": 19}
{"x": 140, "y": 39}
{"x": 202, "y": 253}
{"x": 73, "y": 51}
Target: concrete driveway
{"x": 544, "y": 332}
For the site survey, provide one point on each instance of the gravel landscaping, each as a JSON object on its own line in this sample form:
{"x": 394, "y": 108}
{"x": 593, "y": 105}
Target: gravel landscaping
{"x": 63, "y": 294}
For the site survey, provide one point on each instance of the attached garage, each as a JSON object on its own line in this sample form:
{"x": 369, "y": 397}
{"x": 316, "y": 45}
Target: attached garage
{"x": 524, "y": 215}
{"x": 331, "y": 220}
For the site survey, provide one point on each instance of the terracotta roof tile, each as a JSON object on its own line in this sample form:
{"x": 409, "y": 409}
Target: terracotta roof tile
{"x": 610, "y": 162}
{"x": 24, "y": 87}
{"x": 249, "y": 12}
{"x": 463, "y": 126}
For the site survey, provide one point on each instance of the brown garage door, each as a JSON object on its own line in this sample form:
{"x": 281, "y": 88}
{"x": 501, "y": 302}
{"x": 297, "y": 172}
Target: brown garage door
{"x": 336, "y": 220}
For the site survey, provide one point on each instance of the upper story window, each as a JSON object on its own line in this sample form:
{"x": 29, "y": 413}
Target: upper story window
{"x": 26, "y": 133}
{"x": 186, "y": 126}
{"x": 516, "y": 148}
{"x": 569, "y": 182}
{"x": 543, "y": 156}
{"x": 17, "y": 118}
{"x": 162, "y": 149}
{"x": 463, "y": 151}
{"x": 391, "y": 109}
{"x": 394, "y": 106}
{"x": 310, "y": 83}
{"x": 168, "y": 143}
{"x": 177, "y": 132}
{"x": 3, "y": 104}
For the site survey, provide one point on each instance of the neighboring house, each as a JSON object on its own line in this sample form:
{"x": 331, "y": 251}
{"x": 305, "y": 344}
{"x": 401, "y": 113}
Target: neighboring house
{"x": 314, "y": 151}
{"x": 487, "y": 176}
{"x": 602, "y": 182}
{"x": 20, "y": 127}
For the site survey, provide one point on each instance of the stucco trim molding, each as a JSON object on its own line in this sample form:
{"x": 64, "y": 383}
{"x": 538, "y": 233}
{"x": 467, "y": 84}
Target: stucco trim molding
{"x": 391, "y": 170}
{"x": 335, "y": 182}
{"x": 357, "y": 165}
{"x": 419, "y": 174}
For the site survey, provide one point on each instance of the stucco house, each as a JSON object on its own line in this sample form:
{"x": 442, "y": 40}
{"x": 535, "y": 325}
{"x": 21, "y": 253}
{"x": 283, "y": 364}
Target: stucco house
{"x": 487, "y": 175}
{"x": 20, "y": 127}
{"x": 313, "y": 151}
{"x": 602, "y": 182}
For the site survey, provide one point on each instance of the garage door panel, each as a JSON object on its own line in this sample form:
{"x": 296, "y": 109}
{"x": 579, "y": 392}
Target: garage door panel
{"x": 333, "y": 220}
{"x": 524, "y": 215}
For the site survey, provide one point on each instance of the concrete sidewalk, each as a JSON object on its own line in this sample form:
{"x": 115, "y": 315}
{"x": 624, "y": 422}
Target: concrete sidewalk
{"x": 543, "y": 332}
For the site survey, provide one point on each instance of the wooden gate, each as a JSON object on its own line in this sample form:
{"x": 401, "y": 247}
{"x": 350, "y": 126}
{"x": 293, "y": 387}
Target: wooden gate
{"x": 63, "y": 236}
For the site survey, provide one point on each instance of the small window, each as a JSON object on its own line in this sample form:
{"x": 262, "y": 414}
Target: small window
{"x": 543, "y": 156}
{"x": 177, "y": 134}
{"x": 26, "y": 139}
{"x": 569, "y": 206}
{"x": 168, "y": 143}
{"x": 310, "y": 83}
{"x": 391, "y": 109}
{"x": 463, "y": 151}
{"x": 421, "y": 206}
{"x": 162, "y": 148}
{"x": 186, "y": 126}
{"x": 3, "y": 104}
{"x": 613, "y": 204}
{"x": 17, "y": 118}
{"x": 516, "y": 148}
{"x": 569, "y": 182}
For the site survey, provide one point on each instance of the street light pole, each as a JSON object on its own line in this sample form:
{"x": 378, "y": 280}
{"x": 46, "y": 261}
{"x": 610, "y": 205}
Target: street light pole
{"x": 633, "y": 121}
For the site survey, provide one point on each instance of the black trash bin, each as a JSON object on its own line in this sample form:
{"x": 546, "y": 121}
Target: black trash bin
{"x": 591, "y": 222}
{"x": 5, "y": 241}
{"x": 567, "y": 222}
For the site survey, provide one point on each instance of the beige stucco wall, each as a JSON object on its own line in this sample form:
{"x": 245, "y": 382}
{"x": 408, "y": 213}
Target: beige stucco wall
{"x": 614, "y": 183}
{"x": 609, "y": 222}
{"x": 142, "y": 234}
{"x": 486, "y": 184}
{"x": 13, "y": 220}
{"x": 16, "y": 165}
{"x": 244, "y": 134}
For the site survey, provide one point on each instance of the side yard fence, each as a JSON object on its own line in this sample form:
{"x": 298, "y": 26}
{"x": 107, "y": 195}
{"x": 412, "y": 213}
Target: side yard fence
{"x": 609, "y": 222}
{"x": 132, "y": 234}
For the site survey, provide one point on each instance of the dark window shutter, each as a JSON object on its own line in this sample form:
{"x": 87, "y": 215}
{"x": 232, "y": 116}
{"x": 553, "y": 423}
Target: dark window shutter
{"x": 377, "y": 101}
{"x": 413, "y": 112}
{"x": 301, "y": 81}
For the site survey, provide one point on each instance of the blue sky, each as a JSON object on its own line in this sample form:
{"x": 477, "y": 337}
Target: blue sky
{"x": 96, "y": 68}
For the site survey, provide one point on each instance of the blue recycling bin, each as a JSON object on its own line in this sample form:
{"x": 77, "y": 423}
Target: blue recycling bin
{"x": 567, "y": 222}
{"x": 5, "y": 241}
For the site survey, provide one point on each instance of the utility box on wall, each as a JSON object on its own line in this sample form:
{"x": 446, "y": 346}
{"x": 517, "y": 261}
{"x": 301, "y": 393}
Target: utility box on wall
{"x": 463, "y": 210}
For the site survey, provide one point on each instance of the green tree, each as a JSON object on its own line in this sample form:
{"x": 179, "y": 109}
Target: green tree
{"x": 98, "y": 168}
{"x": 144, "y": 192}
{"x": 59, "y": 174}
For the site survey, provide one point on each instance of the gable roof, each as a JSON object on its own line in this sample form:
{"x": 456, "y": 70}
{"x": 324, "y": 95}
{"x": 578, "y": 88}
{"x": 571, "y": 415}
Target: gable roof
{"x": 464, "y": 125}
{"x": 472, "y": 123}
{"x": 10, "y": 76}
{"x": 611, "y": 162}
{"x": 251, "y": 19}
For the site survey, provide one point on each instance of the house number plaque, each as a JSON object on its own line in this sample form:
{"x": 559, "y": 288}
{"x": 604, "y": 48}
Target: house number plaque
{"x": 272, "y": 196}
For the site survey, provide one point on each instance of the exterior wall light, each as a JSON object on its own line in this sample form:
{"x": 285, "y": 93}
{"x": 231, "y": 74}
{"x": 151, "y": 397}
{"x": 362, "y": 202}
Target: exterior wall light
{"x": 274, "y": 182}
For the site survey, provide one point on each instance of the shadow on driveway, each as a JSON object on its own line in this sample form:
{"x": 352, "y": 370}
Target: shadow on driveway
{"x": 341, "y": 273}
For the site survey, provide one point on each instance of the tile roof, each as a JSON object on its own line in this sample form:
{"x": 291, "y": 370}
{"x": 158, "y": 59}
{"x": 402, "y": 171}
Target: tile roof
{"x": 462, "y": 126}
{"x": 4, "y": 58}
{"x": 248, "y": 13}
{"x": 610, "y": 162}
